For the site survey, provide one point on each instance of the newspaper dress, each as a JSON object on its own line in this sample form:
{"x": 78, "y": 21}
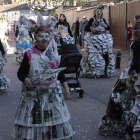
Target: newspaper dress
{"x": 65, "y": 35}
{"x": 4, "y": 82}
{"x": 123, "y": 112}
{"x": 3, "y": 37}
{"x": 96, "y": 46}
{"x": 23, "y": 43}
{"x": 42, "y": 113}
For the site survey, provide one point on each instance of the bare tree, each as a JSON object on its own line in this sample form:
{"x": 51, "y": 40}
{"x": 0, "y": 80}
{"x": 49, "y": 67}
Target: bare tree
{"x": 44, "y": 6}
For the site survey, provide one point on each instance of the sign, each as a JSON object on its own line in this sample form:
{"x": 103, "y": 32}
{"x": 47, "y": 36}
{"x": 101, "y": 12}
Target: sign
{"x": 24, "y": 12}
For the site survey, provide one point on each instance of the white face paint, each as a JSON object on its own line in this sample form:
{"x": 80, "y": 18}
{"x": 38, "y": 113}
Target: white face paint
{"x": 99, "y": 12}
{"x": 22, "y": 19}
{"x": 42, "y": 36}
{"x": 62, "y": 17}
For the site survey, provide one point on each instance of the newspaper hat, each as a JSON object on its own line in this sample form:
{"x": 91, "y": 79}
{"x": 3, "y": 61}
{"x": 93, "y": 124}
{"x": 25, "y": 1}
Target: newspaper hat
{"x": 84, "y": 17}
{"x": 100, "y": 6}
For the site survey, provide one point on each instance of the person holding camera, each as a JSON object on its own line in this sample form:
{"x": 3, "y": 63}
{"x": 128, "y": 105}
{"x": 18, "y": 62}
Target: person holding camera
{"x": 98, "y": 59}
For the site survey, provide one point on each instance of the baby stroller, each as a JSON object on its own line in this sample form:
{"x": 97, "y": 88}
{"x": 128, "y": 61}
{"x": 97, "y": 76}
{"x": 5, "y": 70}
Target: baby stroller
{"x": 70, "y": 58}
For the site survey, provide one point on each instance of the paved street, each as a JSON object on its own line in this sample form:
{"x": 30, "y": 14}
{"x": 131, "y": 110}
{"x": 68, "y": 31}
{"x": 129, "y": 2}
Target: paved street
{"x": 86, "y": 113}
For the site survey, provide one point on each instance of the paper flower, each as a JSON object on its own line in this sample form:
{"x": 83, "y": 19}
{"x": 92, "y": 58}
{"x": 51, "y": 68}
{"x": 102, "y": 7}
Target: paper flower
{"x": 25, "y": 39}
{"x": 53, "y": 18}
{"x": 28, "y": 53}
{"x": 35, "y": 30}
{"x": 42, "y": 26}
{"x": 31, "y": 39}
{"x": 58, "y": 33}
{"x": 52, "y": 64}
{"x": 48, "y": 29}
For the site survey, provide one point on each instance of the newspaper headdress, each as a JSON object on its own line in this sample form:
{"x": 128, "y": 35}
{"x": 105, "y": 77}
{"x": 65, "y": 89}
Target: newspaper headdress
{"x": 23, "y": 19}
{"x": 48, "y": 22}
{"x": 100, "y": 6}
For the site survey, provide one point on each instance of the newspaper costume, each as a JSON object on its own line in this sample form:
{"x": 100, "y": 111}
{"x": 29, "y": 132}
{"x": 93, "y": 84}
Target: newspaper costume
{"x": 3, "y": 37}
{"x": 64, "y": 32}
{"x": 24, "y": 40}
{"x": 97, "y": 45}
{"x": 42, "y": 113}
{"x": 4, "y": 82}
{"x": 123, "y": 115}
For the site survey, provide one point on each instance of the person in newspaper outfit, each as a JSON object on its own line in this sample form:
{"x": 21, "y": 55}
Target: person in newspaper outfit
{"x": 98, "y": 59}
{"x": 42, "y": 113}
{"x": 123, "y": 115}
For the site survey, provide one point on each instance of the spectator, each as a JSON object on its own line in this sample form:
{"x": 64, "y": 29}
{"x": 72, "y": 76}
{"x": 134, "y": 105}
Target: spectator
{"x": 75, "y": 29}
{"x": 83, "y": 24}
{"x": 136, "y": 18}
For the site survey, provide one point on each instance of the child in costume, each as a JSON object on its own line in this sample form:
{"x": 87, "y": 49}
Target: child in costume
{"x": 23, "y": 38}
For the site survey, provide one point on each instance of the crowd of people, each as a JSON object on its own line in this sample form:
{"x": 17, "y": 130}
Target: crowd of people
{"x": 42, "y": 113}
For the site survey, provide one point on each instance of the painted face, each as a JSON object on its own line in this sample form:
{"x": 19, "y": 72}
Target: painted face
{"x": 22, "y": 19}
{"x": 62, "y": 17}
{"x": 42, "y": 36}
{"x": 98, "y": 11}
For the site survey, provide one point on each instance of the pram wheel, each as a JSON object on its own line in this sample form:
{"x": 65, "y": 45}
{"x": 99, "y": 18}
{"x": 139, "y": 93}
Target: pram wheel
{"x": 81, "y": 93}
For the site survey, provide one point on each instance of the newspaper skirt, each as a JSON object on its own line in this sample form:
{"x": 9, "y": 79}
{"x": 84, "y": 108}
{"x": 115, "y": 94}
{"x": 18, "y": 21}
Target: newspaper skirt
{"x": 94, "y": 62}
{"x": 22, "y": 45}
{"x": 123, "y": 114}
{"x": 19, "y": 54}
{"x": 4, "y": 82}
{"x": 42, "y": 114}
{"x": 68, "y": 39}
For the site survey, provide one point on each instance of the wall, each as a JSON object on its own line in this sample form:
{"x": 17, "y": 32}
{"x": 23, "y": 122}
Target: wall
{"x": 72, "y": 13}
{"x": 120, "y": 14}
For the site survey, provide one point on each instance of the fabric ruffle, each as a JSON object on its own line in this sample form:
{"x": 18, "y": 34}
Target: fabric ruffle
{"x": 123, "y": 113}
{"x": 93, "y": 62}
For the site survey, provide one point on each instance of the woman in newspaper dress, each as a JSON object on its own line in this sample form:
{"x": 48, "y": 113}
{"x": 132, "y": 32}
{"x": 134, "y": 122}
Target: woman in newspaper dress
{"x": 98, "y": 59}
{"x": 4, "y": 82}
{"x": 64, "y": 29}
{"x": 123, "y": 114}
{"x": 42, "y": 113}
{"x": 24, "y": 40}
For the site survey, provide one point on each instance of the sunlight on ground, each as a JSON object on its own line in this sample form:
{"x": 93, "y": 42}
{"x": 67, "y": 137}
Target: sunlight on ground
{"x": 10, "y": 50}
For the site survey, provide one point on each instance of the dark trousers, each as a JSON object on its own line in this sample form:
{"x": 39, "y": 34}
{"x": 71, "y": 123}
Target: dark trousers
{"x": 75, "y": 37}
{"x": 80, "y": 40}
{"x": 106, "y": 58}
